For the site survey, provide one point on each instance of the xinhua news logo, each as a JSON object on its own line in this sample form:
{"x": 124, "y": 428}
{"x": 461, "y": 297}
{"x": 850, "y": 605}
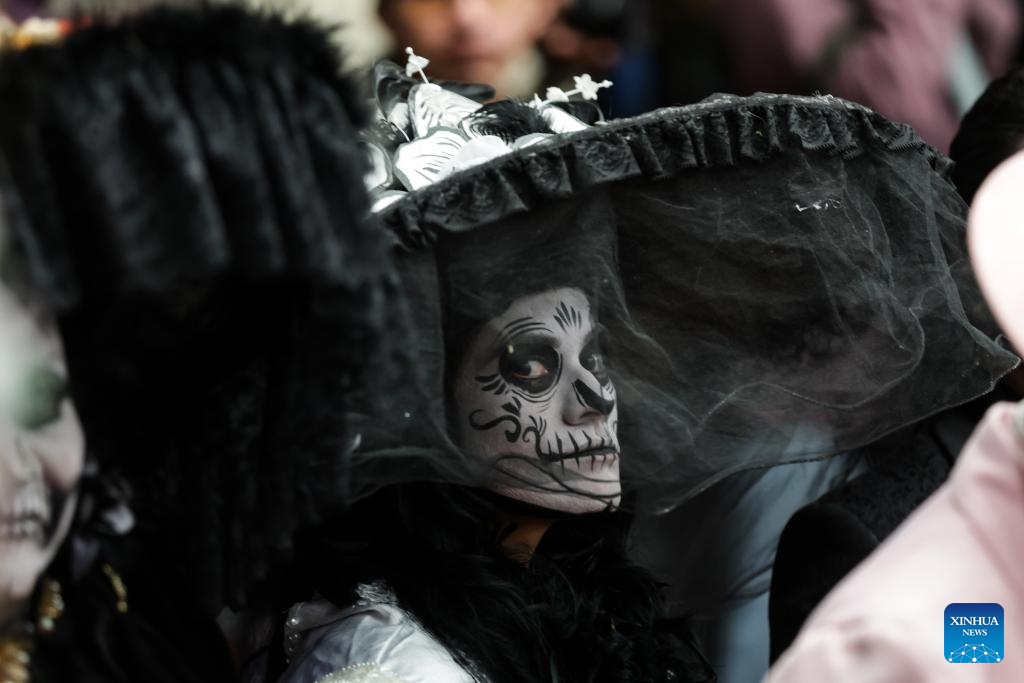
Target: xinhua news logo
{"x": 974, "y": 633}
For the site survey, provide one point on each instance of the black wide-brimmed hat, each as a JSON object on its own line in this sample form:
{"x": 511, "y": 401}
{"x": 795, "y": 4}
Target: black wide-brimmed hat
{"x": 775, "y": 278}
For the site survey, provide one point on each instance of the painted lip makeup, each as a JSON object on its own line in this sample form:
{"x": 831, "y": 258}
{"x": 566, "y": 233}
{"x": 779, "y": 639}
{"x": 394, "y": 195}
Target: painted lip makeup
{"x": 606, "y": 454}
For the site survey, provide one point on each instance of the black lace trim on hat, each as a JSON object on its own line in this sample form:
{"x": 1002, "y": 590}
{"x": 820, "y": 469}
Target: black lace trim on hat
{"x": 723, "y": 131}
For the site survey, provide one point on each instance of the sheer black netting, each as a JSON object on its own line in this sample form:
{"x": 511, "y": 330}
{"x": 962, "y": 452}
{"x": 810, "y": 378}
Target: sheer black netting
{"x": 703, "y": 290}
{"x": 185, "y": 190}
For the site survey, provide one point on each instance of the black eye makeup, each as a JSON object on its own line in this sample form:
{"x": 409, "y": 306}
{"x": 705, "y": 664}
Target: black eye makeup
{"x": 533, "y": 367}
{"x": 592, "y": 361}
{"x": 39, "y": 398}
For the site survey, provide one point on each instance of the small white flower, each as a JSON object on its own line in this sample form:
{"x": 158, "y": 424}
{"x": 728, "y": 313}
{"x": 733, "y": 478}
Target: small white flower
{"x": 587, "y": 87}
{"x": 416, "y": 64}
{"x": 556, "y": 95}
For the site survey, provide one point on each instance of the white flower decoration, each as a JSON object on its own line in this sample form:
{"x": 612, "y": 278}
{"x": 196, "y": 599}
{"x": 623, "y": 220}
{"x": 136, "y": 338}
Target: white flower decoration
{"x": 556, "y": 95}
{"x": 416, "y": 64}
{"x": 587, "y": 87}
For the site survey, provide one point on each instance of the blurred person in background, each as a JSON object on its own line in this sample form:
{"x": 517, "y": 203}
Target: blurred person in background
{"x": 476, "y": 41}
{"x": 921, "y": 63}
{"x": 689, "y": 50}
{"x": 521, "y": 46}
{"x": 611, "y": 39}
{"x": 991, "y": 132}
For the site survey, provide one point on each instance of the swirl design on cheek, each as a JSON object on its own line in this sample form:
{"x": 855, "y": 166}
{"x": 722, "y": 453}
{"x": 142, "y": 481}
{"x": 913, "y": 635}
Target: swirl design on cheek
{"x": 538, "y": 425}
{"x": 512, "y": 416}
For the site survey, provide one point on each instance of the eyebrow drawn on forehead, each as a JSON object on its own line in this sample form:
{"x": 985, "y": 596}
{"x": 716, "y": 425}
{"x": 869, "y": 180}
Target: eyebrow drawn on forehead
{"x": 568, "y": 316}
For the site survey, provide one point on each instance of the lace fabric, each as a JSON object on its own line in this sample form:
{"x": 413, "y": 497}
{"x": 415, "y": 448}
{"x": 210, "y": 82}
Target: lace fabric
{"x": 721, "y": 132}
{"x": 361, "y": 673}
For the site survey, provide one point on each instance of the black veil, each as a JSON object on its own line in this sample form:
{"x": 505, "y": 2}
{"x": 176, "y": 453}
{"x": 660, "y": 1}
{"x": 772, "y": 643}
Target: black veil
{"x": 776, "y": 279}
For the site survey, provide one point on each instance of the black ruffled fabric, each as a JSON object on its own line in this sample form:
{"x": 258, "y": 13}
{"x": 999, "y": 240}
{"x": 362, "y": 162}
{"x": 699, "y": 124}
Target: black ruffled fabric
{"x": 233, "y": 133}
{"x": 721, "y": 132}
{"x": 184, "y": 189}
{"x": 776, "y": 279}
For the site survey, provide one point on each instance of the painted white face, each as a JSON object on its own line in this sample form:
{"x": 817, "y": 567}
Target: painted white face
{"x": 534, "y": 398}
{"x": 41, "y": 452}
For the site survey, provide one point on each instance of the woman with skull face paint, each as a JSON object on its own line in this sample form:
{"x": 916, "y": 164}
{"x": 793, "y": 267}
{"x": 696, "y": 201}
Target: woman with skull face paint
{"x": 533, "y": 554}
{"x": 611, "y": 319}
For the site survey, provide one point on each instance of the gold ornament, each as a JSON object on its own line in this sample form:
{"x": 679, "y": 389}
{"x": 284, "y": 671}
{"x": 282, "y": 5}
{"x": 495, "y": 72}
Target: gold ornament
{"x": 51, "y": 606}
{"x": 119, "y": 590}
{"x": 16, "y": 650}
{"x": 15, "y": 657}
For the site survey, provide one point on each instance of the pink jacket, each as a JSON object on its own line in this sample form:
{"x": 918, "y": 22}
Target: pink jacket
{"x": 884, "y": 622}
{"x": 899, "y": 68}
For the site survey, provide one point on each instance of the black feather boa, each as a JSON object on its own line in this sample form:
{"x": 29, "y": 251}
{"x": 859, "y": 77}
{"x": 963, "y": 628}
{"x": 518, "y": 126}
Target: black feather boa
{"x": 580, "y": 612}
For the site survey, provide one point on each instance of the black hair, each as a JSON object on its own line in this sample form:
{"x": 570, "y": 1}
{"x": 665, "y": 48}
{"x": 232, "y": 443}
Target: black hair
{"x": 990, "y": 132}
{"x": 14, "y": 276}
{"x": 579, "y": 611}
{"x": 96, "y": 641}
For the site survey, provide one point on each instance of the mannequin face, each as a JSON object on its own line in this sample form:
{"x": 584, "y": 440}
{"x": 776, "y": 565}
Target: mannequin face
{"x": 533, "y": 397}
{"x": 41, "y": 452}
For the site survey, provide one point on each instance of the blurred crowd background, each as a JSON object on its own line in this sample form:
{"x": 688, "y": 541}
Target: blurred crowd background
{"x": 923, "y": 62}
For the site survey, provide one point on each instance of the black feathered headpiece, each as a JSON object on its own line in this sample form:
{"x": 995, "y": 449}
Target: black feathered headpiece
{"x": 185, "y": 190}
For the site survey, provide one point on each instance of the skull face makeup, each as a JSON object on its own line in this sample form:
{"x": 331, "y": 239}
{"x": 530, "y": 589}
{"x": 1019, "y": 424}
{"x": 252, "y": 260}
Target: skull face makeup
{"x": 41, "y": 452}
{"x": 533, "y": 396}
